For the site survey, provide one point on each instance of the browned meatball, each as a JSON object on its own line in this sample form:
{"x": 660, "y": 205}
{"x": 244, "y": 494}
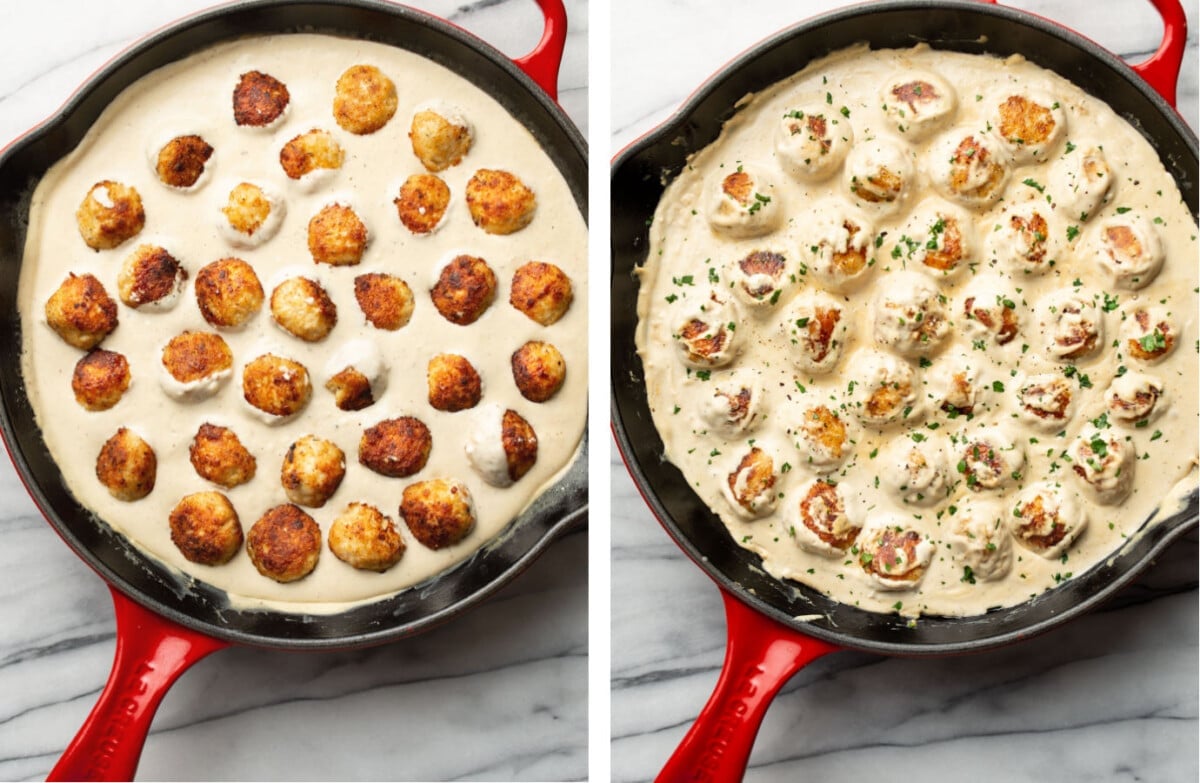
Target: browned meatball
{"x": 422, "y": 202}
{"x": 438, "y": 512}
{"x": 100, "y": 379}
{"x": 276, "y": 386}
{"x": 386, "y": 301}
{"x": 365, "y": 99}
{"x": 351, "y": 390}
{"x": 454, "y": 384}
{"x": 542, "y": 291}
{"x": 464, "y": 290}
{"x": 310, "y": 151}
{"x": 366, "y": 539}
{"x": 197, "y": 362}
{"x": 284, "y": 544}
{"x": 252, "y": 214}
{"x": 302, "y": 307}
{"x": 181, "y": 161}
{"x": 127, "y": 466}
{"x": 206, "y": 529}
{"x": 259, "y": 99}
{"x": 538, "y": 370}
{"x": 337, "y": 236}
{"x": 81, "y": 311}
{"x": 150, "y": 276}
{"x": 396, "y": 447}
{"x": 312, "y": 471}
{"x": 109, "y": 214}
{"x": 438, "y": 141}
{"x": 520, "y": 444}
{"x": 228, "y": 292}
{"x": 219, "y": 456}
{"x": 499, "y": 202}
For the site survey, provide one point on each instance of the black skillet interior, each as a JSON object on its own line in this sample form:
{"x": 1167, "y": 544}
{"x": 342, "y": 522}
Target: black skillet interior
{"x": 639, "y": 177}
{"x": 198, "y": 606}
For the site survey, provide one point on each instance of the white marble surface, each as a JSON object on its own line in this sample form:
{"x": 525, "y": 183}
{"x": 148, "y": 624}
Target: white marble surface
{"x": 498, "y": 694}
{"x": 1110, "y": 697}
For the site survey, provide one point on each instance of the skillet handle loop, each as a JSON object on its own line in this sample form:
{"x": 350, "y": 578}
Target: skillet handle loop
{"x": 151, "y": 654}
{"x": 760, "y": 657}
{"x": 543, "y": 62}
{"x": 1161, "y": 69}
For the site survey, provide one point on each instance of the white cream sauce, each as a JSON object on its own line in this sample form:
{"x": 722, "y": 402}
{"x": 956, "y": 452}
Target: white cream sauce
{"x": 690, "y": 257}
{"x": 194, "y": 96}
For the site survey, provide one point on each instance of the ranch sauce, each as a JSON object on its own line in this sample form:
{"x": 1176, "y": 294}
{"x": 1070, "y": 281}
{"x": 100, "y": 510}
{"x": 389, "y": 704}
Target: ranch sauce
{"x": 689, "y": 259}
{"x": 194, "y": 96}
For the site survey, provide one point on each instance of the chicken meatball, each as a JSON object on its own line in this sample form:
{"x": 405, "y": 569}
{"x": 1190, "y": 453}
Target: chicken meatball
{"x": 915, "y": 470}
{"x": 918, "y": 103}
{"x": 499, "y": 202}
{"x": 363, "y": 537}
{"x": 1046, "y": 520}
{"x": 228, "y": 292}
{"x": 979, "y": 541}
{"x": 990, "y": 309}
{"x": 127, "y": 466}
{"x": 81, "y": 311}
{"x": 465, "y": 290}
{"x": 706, "y": 330}
{"x": 762, "y": 277}
{"x": 195, "y": 365}
{"x": 1103, "y": 460}
{"x": 252, "y": 214}
{"x": 110, "y": 214}
{"x": 100, "y": 379}
{"x": 885, "y": 389}
{"x": 422, "y": 203}
{"x": 1148, "y": 333}
{"x": 811, "y": 142}
{"x": 440, "y": 139}
{"x": 275, "y": 386}
{"x": 312, "y": 155}
{"x": 1134, "y": 397}
{"x": 284, "y": 544}
{"x": 878, "y": 175}
{"x": 218, "y": 456}
{"x": 970, "y": 169}
{"x": 364, "y": 100}
{"x": 990, "y": 459}
{"x": 151, "y": 277}
{"x": 205, "y": 528}
{"x": 454, "y": 385}
{"x": 822, "y": 521}
{"x": 955, "y": 389}
{"x": 736, "y": 406}
{"x": 385, "y": 300}
{"x": 259, "y": 100}
{"x": 439, "y": 512}
{"x": 1027, "y": 240}
{"x": 937, "y": 239}
{"x": 182, "y": 161}
{"x": 538, "y": 370}
{"x": 1029, "y": 126}
{"x": 1046, "y": 400}
{"x": 822, "y": 439}
{"x": 541, "y": 291}
{"x": 909, "y": 316}
{"x": 396, "y": 447}
{"x": 337, "y": 236}
{"x": 312, "y": 471}
{"x": 1081, "y": 183}
{"x": 502, "y": 446}
{"x": 894, "y": 555}
{"x": 357, "y": 375}
{"x": 1071, "y": 324}
{"x": 750, "y": 486}
{"x": 745, "y": 203}
{"x": 839, "y": 250}
{"x": 301, "y": 307}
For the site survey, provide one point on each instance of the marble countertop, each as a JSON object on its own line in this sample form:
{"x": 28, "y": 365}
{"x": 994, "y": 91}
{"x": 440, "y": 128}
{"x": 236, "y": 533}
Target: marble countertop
{"x": 1109, "y": 697}
{"x": 498, "y": 694}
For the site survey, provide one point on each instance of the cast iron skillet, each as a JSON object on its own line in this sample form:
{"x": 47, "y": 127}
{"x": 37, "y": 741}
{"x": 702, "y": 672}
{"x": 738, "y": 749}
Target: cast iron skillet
{"x": 162, "y": 626}
{"x": 767, "y": 643}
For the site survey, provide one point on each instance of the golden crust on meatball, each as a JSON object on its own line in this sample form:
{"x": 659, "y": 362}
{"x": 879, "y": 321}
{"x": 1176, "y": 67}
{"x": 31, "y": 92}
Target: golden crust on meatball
{"x": 538, "y": 370}
{"x": 422, "y": 202}
{"x": 109, "y": 214}
{"x": 520, "y": 444}
{"x": 439, "y": 512}
{"x": 194, "y": 356}
{"x": 302, "y": 307}
{"x": 276, "y": 385}
{"x": 81, "y": 311}
{"x": 454, "y": 385}
{"x": 259, "y": 99}
{"x": 219, "y": 456}
{"x": 312, "y": 471}
{"x": 304, "y": 154}
{"x": 499, "y": 202}
{"x": 150, "y": 275}
{"x": 386, "y": 300}
{"x": 100, "y": 379}
{"x": 228, "y": 292}
{"x": 337, "y": 236}
{"x": 351, "y": 390}
{"x": 464, "y": 290}
{"x": 127, "y": 466}
{"x": 181, "y": 161}
{"x": 365, "y": 99}
{"x": 249, "y": 212}
{"x": 284, "y": 544}
{"x": 541, "y": 291}
{"x": 396, "y": 447}
{"x": 206, "y": 529}
{"x": 366, "y": 539}
{"x": 437, "y": 141}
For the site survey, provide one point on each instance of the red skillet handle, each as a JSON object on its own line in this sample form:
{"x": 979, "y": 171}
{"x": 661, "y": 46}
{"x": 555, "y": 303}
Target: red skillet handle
{"x": 761, "y": 656}
{"x": 151, "y": 654}
{"x": 543, "y": 62}
{"x": 1161, "y": 69}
